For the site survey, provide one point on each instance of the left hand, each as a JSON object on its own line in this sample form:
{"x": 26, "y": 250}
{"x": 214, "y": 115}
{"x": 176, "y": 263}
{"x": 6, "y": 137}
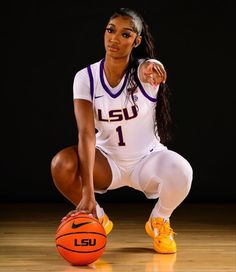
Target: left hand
{"x": 152, "y": 73}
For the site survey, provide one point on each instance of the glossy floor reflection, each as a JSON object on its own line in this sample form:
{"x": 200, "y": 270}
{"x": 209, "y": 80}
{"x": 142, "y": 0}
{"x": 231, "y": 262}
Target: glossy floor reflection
{"x": 152, "y": 264}
{"x": 205, "y": 241}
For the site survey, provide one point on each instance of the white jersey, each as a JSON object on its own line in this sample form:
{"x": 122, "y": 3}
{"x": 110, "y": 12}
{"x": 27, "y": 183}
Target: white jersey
{"x": 125, "y": 130}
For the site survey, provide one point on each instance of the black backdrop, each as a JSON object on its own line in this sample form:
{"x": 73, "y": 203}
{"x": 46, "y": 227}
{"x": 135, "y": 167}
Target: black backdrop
{"x": 45, "y": 44}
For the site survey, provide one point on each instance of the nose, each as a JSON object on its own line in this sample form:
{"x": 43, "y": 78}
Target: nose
{"x": 114, "y": 38}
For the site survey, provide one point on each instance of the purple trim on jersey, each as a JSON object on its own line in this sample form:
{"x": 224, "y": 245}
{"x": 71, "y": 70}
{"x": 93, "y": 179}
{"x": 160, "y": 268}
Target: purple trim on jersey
{"x": 143, "y": 90}
{"x": 91, "y": 81}
{"x": 104, "y": 84}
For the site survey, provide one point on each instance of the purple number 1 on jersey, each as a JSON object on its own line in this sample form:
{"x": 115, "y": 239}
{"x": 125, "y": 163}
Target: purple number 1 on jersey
{"x": 121, "y": 139}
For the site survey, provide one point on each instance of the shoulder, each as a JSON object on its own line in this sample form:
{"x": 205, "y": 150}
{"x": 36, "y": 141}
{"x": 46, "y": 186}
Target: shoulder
{"x": 84, "y": 72}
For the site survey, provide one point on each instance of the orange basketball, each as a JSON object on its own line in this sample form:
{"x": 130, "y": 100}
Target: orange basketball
{"x": 81, "y": 239}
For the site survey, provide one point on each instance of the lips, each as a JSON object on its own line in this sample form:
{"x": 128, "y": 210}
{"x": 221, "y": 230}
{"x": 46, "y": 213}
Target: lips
{"x": 113, "y": 48}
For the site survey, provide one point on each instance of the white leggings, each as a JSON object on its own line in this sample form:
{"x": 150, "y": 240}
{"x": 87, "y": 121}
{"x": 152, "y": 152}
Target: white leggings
{"x": 162, "y": 174}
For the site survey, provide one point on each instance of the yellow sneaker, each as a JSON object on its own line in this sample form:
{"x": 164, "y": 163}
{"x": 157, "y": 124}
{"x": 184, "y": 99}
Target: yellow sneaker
{"x": 163, "y": 235}
{"x": 106, "y": 222}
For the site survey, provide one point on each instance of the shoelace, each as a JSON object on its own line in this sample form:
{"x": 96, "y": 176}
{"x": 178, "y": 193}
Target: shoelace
{"x": 103, "y": 220}
{"x": 163, "y": 228}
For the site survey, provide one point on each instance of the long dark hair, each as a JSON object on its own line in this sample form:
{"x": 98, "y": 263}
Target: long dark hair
{"x": 147, "y": 50}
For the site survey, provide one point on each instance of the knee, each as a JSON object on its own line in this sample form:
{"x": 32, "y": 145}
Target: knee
{"x": 63, "y": 163}
{"x": 182, "y": 174}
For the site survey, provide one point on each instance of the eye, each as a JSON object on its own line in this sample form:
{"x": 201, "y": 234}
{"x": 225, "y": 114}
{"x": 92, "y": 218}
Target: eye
{"x": 109, "y": 30}
{"x": 126, "y": 35}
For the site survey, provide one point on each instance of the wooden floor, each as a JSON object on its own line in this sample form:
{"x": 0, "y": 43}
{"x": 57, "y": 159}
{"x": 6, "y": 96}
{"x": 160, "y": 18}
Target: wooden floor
{"x": 206, "y": 239}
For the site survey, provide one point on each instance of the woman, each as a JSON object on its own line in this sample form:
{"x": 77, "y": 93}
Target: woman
{"x": 124, "y": 97}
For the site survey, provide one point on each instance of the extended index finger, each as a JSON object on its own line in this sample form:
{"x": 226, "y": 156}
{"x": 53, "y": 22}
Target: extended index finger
{"x": 161, "y": 72}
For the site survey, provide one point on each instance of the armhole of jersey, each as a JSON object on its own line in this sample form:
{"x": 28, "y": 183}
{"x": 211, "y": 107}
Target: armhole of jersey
{"x": 91, "y": 81}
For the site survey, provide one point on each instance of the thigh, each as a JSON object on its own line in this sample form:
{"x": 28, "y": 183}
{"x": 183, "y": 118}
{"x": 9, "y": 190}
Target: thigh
{"x": 157, "y": 167}
{"x": 102, "y": 174}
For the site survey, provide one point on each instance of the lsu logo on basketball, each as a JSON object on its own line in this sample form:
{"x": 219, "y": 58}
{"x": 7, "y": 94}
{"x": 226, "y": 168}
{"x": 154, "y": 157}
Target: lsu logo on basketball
{"x": 85, "y": 242}
{"x": 118, "y": 115}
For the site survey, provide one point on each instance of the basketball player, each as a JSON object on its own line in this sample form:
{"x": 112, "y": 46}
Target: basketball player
{"x": 124, "y": 96}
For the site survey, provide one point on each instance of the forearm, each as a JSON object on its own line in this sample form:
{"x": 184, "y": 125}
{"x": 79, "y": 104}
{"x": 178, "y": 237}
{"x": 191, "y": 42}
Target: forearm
{"x": 86, "y": 151}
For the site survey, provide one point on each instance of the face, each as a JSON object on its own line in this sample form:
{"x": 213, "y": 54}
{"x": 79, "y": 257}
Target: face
{"x": 120, "y": 37}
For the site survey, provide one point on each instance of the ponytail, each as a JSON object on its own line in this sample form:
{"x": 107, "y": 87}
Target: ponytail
{"x": 146, "y": 50}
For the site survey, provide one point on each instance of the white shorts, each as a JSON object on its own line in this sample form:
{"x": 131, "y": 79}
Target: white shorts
{"x": 131, "y": 176}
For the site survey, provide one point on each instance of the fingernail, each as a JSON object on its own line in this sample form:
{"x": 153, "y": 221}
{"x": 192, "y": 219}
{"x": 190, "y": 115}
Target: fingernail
{"x": 77, "y": 213}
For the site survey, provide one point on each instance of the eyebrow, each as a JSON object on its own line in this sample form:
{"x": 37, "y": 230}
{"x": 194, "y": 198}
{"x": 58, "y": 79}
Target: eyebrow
{"x": 126, "y": 28}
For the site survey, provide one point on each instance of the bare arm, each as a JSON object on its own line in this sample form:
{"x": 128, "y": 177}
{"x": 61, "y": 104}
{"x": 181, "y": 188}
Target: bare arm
{"x": 86, "y": 149}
